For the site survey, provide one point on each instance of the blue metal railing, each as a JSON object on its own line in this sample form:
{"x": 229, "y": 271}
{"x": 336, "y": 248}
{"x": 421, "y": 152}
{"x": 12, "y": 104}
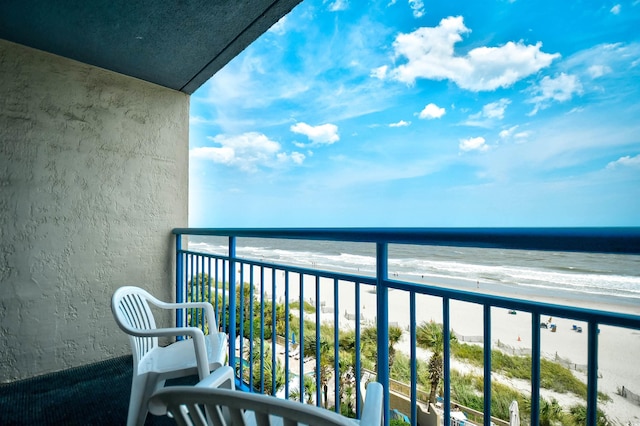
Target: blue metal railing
{"x": 223, "y": 268}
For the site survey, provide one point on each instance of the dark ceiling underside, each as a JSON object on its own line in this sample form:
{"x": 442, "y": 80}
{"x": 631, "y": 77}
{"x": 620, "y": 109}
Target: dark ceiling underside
{"x": 178, "y": 44}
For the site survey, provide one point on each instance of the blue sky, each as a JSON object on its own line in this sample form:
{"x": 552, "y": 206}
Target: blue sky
{"x": 426, "y": 114}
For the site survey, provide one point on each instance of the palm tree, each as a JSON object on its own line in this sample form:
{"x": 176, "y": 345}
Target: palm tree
{"x": 309, "y": 390}
{"x": 347, "y": 380}
{"x": 435, "y": 374}
{"x": 430, "y": 335}
{"x": 280, "y": 319}
{"x": 263, "y": 359}
{"x": 369, "y": 343}
{"x": 326, "y": 370}
{"x": 395, "y": 334}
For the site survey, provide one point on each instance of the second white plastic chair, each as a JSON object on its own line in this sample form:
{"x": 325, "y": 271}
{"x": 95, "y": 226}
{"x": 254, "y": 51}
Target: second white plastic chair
{"x": 214, "y": 401}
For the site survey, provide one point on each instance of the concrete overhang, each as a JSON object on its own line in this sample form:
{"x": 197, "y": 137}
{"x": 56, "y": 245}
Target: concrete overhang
{"x": 177, "y": 44}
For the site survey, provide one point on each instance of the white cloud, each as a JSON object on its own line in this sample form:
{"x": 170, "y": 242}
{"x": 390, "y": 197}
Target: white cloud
{"x": 400, "y": 123}
{"x": 490, "y": 112}
{"x": 196, "y": 119}
{"x": 247, "y": 151}
{"x": 432, "y": 111}
{"x": 338, "y": 5}
{"x": 507, "y": 133}
{"x": 324, "y": 134}
{"x": 510, "y": 134}
{"x": 417, "y": 6}
{"x": 615, "y": 9}
{"x": 430, "y": 54}
{"x": 496, "y": 109}
{"x": 380, "y": 72}
{"x": 297, "y": 157}
{"x": 596, "y": 71}
{"x": 626, "y": 161}
{"x": 473, "y": 144}
{"x": 559, "y": 89}
{"x": 279, "y": 27}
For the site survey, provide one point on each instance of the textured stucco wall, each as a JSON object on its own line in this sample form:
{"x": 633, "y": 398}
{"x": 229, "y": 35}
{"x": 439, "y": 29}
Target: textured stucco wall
{"x": 93, "y": 176}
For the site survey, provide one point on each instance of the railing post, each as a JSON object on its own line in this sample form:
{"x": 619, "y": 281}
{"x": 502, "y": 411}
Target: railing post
{"x": 179, "y": 286}
{"x": 232, "y": 302}
{"x": 382, "y": 323}
{"x": 592, "y": 374}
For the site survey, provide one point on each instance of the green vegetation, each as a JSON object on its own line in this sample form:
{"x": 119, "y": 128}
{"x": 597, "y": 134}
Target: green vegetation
{"x": 308, "y": 307}
{"x": 466, "y": 390}
{"x": 429, "y": 335}
{"x": 553, "y": 376}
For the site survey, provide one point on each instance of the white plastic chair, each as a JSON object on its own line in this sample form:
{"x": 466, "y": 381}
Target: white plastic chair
{"x": 153, "y": 364}
{"x": 212, "y": 403}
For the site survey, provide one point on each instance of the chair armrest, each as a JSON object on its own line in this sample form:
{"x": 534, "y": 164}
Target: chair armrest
{"x": 208, "y": 310}
{"x": 223, "y": 377}
{"x": 373, "y": 405}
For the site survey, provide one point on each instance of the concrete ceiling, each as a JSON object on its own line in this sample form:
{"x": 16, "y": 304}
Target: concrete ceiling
{"x": 178, "y": 44}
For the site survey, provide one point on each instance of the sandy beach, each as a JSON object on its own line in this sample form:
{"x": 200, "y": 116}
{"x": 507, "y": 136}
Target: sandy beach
{"x": 619, "y": 349}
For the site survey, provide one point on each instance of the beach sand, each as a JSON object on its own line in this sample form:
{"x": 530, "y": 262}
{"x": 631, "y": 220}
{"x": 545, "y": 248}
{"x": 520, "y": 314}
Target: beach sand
{"x": 619, "y": 349}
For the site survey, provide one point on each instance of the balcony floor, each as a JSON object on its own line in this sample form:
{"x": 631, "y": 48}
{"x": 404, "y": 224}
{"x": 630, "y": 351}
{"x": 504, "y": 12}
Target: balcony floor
{"x": 95, "y": 394}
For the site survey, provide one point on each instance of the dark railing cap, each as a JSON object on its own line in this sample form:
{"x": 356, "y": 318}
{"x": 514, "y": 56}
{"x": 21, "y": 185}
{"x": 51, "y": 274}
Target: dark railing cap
{"x": 624, "y": 240}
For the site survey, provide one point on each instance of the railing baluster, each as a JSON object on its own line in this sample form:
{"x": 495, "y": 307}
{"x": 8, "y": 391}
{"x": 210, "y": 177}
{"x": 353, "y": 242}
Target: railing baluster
{"x": 218, "y": 306}
{"x": 191, "y": 285}
{"x": 262, "y": 291}
{"x": 318, "y": 371}
{"x": 273, "y": 331}
{"x": 251, "y": 292}
{"x": 240, "y": 287}
{"x": 287, "y": 334}
{"x": 535, "y": 368}
{"x": 487, "y": 364}
{"x": 232, "y": 301}
{"x": 202, "y": 284}
{"x": 414, "y": 357}
{"x": 336, "y": 346}
{"x": 225, "y": 290}
{"x": 301, "y": 335}
{"x": 358, "y": 366}
{"x": 446, "y": 355}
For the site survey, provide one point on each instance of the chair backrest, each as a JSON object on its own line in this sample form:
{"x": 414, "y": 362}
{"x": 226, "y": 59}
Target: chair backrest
{"x": 133, "y": 314}
{"x": 225, "y": 407}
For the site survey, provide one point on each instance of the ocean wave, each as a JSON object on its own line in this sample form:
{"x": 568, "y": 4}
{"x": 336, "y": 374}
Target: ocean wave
{"x": 543, "y": 270}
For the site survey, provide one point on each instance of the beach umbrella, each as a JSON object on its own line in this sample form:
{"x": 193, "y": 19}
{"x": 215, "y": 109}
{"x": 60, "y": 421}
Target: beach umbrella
{"x": 514, "y": 414}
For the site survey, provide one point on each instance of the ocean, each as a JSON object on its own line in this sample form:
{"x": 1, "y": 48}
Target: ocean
{"x": 589, "y": 277}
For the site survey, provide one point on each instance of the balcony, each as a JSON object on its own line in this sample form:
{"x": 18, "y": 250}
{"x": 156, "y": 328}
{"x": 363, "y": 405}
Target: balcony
{"x": 373, "y": 338}
{"x": 365, "y": 315}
